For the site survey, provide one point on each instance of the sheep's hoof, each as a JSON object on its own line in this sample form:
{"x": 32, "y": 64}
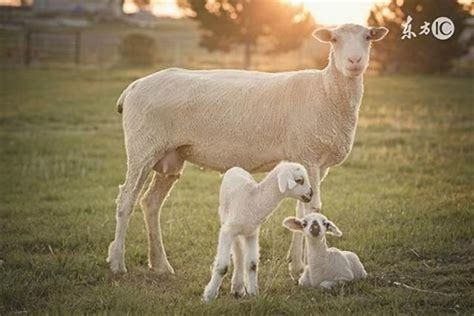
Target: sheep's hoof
{"x": 209, "y": 296}
{"x": 116, "y": 260}
{"x": 296, "y": 269}
{"x": 164, "y": 268}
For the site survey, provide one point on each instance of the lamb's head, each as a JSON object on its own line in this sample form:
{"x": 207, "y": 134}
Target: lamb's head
{"x": 350, "y": 46}
{"x": 314, "y": 225}
{"x": 293, "y": 181}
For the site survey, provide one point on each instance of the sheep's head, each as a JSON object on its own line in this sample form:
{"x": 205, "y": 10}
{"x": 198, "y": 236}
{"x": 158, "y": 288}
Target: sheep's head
{"x": 314, "y": 225}
{"x": 350, "y": 46}
{"x": 293, "y": 181}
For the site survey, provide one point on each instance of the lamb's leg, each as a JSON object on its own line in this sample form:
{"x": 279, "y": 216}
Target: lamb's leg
{"x": 238, "y": 288}
{"x": 251, "y": 263}
{"x": 126, "y": 199}
{"x": 327, "y": 285}
{"x": 151, "y": 203}
{"x": 221, "y": 265}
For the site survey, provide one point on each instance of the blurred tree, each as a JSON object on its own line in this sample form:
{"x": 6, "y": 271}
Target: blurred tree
{"x": 228, "y": 23}
{"x": 423, "y": 53}
{"x": 142, "y": 4}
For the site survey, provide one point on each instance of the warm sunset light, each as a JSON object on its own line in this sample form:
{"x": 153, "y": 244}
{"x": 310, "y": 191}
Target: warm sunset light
{"x": 338, "y": 11}
{"x": 325, "y": 12}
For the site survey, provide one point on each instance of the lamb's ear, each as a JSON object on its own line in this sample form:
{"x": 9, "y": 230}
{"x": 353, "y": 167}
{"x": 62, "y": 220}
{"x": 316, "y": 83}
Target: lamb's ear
{"x": 291, "y": 184}
{"x": 293, "y": 223}
{"x": 377, "y": 33}
{"x": 323, "y": 35}
{"x": 332, "y": 229}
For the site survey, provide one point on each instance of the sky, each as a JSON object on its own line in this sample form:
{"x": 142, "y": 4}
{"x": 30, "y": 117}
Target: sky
{"x": 325, "y": 12}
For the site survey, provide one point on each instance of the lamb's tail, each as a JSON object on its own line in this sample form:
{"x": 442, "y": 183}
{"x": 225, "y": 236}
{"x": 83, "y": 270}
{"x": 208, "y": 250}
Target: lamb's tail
{"x": 123, "y": 96}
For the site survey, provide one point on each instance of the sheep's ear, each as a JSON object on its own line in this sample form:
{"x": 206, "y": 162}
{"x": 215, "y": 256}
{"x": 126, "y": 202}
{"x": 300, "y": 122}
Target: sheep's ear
{"x": 332, "y": 229}
{"x": 377, "y": 33}
{"x": 293, "y": 223}
{"x": 323, "y": 35}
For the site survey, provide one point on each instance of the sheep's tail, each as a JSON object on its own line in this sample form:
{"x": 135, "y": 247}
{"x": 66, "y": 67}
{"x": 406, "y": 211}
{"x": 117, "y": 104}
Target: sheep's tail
{"x": 123, "y": 96}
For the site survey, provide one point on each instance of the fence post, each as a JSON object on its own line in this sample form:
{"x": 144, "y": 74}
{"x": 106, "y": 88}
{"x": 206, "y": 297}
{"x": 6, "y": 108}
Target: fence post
{"x": 77, "y": 50}
{"x": 27, "y": 51}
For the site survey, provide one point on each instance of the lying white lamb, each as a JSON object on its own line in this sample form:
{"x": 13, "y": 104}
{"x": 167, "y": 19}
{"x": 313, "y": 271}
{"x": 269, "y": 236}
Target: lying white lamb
{"x": 326, "y": 266}
{"x": 244, "y": 206}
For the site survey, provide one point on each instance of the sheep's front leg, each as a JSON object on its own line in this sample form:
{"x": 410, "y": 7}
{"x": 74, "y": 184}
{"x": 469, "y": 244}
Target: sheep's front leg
{"x": 251, "y": 263}
{"x": 221, "y": 265}
{"x": 304, "y": 279}
{"x": 295, "y": 253}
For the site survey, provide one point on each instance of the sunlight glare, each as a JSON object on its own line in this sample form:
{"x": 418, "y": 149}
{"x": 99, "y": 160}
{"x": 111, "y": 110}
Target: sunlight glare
{"x": 338, "y": 11}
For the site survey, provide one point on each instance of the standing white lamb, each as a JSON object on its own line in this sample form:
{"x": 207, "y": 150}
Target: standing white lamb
{"x": 224, "y": 118}
{"x": 244, "y": 205}
{"x": 326, "y": 266}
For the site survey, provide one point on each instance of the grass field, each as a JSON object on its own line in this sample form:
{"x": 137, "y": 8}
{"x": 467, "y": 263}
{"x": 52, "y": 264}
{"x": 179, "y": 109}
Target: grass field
{"x": 404, "y": 200}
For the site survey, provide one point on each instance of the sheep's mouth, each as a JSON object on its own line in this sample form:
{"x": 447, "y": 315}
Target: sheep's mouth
{"x": 356, "y": 71}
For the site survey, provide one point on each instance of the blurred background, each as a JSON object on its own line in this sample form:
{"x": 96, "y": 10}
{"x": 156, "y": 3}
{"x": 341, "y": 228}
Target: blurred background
{"x": 263, "y": 35}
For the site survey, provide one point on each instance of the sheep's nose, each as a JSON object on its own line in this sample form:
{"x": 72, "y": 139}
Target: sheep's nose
{"x": 354, "y": 60}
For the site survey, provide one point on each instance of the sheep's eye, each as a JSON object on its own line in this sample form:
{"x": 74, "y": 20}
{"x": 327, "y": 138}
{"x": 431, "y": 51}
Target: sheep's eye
{"x": 300, "y": 181}
{"x": 334, "y": 40}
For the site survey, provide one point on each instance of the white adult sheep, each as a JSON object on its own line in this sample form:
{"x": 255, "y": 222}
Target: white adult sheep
{"x": 244, "y": 205}
{"x": 225, "y": 118}
{"x": 326, "y": 266}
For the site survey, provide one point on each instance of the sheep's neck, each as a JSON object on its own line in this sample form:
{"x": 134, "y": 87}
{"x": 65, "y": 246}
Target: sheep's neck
{"x": 317, "y": 254}
{"x": 345, "y": 93}
{"x": 268, "y": 196}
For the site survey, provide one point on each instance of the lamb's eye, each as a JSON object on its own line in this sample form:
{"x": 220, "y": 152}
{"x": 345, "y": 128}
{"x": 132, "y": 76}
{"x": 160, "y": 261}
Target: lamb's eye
{"x": 300, "y": 181}
{"x": 304, "y": 223}
{"x": 367, "y": 37}
{"x": 334, "y": 40}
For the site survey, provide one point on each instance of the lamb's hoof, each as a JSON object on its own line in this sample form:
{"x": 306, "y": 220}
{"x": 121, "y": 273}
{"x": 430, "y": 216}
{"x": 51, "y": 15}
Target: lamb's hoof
{"x": 238, "y": 291}
{"x": 209, "y": 296}
{"x": 161, "y": 269}
{"x": 116, "y": 260}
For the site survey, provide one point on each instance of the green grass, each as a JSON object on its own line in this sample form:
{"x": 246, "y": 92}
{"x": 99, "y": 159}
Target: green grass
{"x": 403, "y": 199}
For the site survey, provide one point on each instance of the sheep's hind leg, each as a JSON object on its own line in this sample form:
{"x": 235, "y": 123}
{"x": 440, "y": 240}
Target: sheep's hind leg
{"x": 238, "y": 256}
{"x": 126, "y": 199}
{"x": 251, "y": 263}
{"x": 151, "y": 203}
{"x": 220, "y": 267}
